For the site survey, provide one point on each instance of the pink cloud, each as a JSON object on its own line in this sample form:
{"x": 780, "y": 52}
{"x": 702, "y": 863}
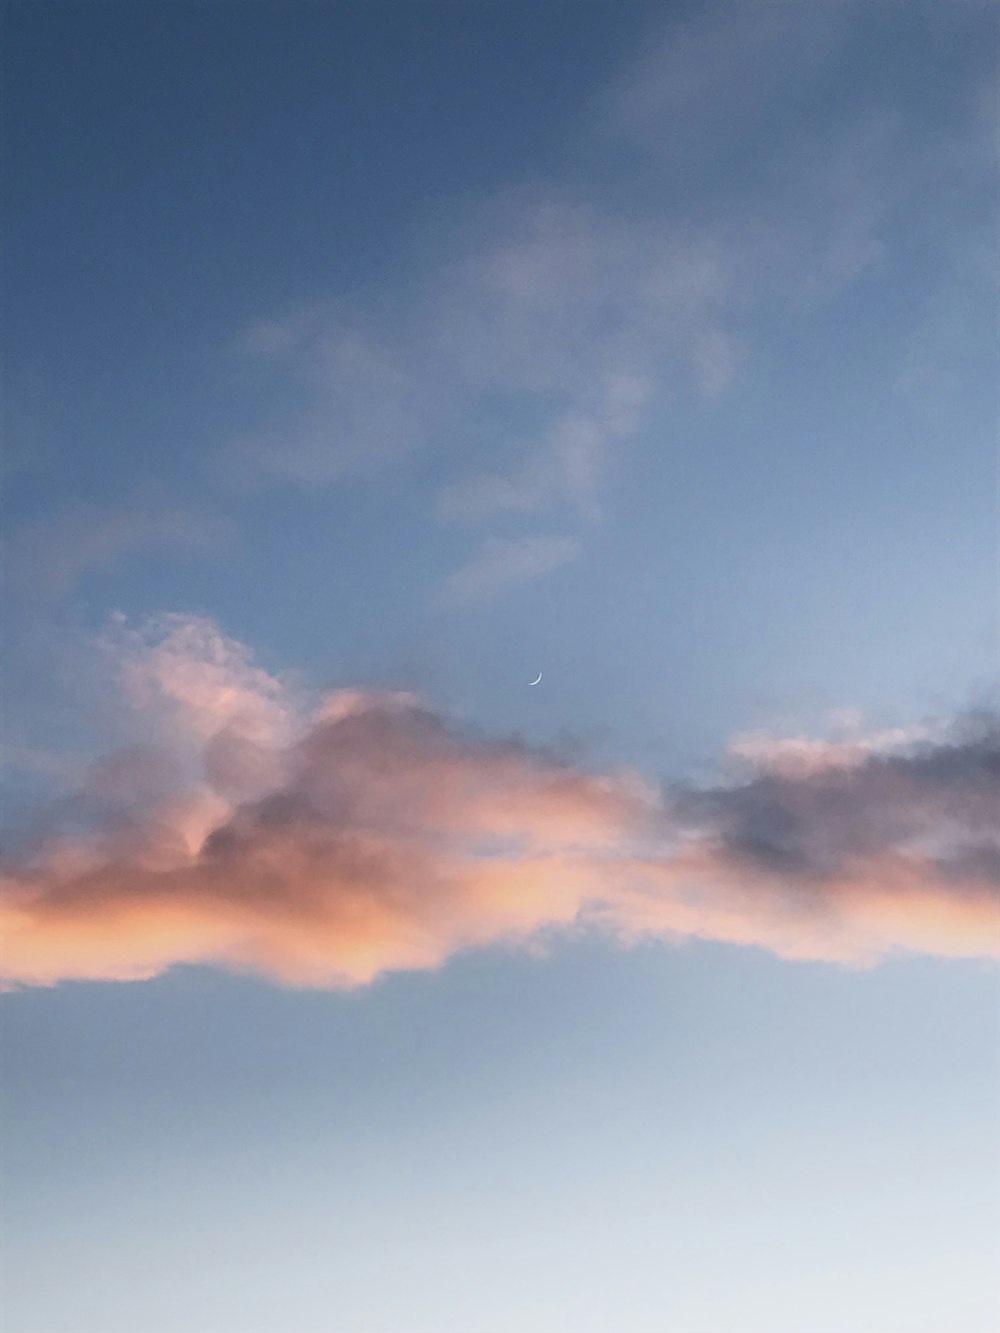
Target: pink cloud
{"x": 368, "y": 834}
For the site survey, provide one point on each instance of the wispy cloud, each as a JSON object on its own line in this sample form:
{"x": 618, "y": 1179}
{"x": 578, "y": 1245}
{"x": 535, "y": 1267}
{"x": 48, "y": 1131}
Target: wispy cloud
{"x": 563, "y": 320}
{"x": 540, "y": 344}
{"x": 502, "y": 564}
{"x": 557, "y": 315}
{"x": 363, "y": 833}
{"x": 566, "y": 465}
{"x": 47, "y": 559}
{"x": 716, "y": 72}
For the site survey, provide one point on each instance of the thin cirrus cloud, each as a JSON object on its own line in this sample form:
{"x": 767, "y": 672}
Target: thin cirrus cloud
{"x": 324, "y": 844}
{"x": 571, "y": 320}
{"x": 555, "y": 322}
{"x": 502, "y": 564}
{"x": 561, "y": 309}
{"x": 47, "y": 558}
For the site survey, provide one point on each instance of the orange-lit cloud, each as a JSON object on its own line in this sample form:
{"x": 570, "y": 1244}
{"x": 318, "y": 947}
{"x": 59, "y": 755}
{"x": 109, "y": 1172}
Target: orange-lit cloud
{"x": 324, "y": 845}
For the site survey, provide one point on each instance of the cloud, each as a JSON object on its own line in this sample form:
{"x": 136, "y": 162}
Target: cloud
{"x": 543, "y": 333}
{"x": 375, "y": 835}
{"x": 753, "y": 116}
{"x": 208, "y": 683}
{"x": 566, "y": 466}
{"x": 728, "y": 180}
{"x": 843, "y": 856}
{"x": 47, "y": 559}
{"x": 502, "y": 564}
{"x": 716, "y": 72}
{"x": 803, "y": 756}
{"x": 735, "y": 193}
{"x": 541, "y": 343}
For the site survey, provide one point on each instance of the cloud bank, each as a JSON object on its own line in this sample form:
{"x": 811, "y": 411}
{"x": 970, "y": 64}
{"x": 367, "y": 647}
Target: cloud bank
{"x": 325, "y": 843}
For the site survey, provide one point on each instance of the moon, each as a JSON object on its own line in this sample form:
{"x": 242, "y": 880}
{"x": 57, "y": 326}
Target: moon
{"x": 535, "y": 682}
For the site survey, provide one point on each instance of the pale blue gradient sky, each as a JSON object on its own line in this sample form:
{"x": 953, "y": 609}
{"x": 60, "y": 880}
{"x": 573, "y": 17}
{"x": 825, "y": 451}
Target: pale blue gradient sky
{"x": 707, "y": 1136}
{"x": 288, "y": 288}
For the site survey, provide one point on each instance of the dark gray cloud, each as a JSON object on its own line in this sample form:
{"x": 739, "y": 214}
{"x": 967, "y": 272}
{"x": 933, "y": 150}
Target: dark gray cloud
{"x": 938, "y": 800}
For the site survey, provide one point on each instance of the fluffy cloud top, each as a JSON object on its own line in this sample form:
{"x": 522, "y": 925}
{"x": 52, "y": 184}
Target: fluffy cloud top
{"x": 323, "y": 845}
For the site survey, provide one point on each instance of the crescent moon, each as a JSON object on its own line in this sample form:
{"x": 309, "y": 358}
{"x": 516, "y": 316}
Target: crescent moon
{"x": 535, "y": 682}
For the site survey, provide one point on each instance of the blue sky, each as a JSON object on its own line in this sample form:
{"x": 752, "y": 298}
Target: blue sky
{"x": 363, "y": 362}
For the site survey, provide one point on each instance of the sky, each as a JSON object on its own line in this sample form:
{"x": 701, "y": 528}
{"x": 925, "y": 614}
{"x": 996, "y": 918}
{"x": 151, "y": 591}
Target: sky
{"x": 364, "y": 362}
